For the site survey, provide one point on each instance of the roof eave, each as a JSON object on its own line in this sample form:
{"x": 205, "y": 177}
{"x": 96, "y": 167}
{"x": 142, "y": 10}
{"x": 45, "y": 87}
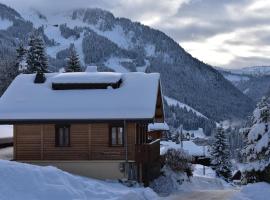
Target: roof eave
{"x": 72, "y": 121}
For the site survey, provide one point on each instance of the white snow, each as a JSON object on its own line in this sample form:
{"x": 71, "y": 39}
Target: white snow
{"x": 174, "y": 102}
{"x": 115, "y": 64}
{"x": 23, "y": 181}
{"x": 256, "y": 191}
{"x": 150, "y": 50}
{"x": 178, "y": 183}
{"x": 246, "y": 91}
{"x": 90, "y": 68}
{"x": 6, "y": 131}
{"x": 256, "y": 130}
{"x": 134, "y": 99}
{"x": 158, "y": 126}
{"x": 197, "y": 133}
{"x": 189, "y": 146}
{"x": 82, "y": 77}
{"x": 116, "y": 35}
{"x": 144, "y": 67}
{"x": 236, "y": 78}
{"x": 5, "y": 24}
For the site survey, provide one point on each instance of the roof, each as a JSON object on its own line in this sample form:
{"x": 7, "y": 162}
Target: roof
{"x": 135, "y": 99}
{"x": 158, "y": 127}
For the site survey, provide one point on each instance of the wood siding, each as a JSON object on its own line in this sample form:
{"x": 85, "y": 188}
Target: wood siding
{"x": 88, "y": 142}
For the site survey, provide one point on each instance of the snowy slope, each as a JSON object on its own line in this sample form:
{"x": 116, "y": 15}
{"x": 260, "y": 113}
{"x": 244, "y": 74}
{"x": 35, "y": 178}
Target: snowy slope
{"x": 173, "y": 102}
{"x": 4, "y": 24}
{"x": 23, "y": 181}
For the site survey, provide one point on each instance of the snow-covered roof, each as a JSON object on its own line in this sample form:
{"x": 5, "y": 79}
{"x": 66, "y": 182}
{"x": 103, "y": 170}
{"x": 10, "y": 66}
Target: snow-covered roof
{"x": 158, "y": 127}
{"x": 134, "y": 99}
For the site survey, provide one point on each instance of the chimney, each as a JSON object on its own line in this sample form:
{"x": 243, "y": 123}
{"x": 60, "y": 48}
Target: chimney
{"x": 91, "y": 68}
{"x": 40, "y": 77}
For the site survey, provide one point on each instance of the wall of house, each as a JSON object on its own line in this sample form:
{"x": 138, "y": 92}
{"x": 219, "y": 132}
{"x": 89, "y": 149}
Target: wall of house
{"x": 88, "y": 142}
{"x": 100, "y": 169}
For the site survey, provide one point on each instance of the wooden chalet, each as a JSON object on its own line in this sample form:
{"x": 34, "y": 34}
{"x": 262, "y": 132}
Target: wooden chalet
{"x": 88, "y": 123}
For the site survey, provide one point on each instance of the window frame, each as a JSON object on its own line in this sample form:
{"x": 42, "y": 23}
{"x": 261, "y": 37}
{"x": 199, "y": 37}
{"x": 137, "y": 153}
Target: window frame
{"x": 117, "y": 126}
{"x": 57, "y": 135}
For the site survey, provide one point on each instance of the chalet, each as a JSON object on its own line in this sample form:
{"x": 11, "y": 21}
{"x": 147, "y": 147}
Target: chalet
{"x": 88, "y": 123}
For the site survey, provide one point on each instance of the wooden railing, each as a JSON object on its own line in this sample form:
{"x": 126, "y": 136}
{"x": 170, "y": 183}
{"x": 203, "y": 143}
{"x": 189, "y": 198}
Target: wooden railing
{"x": 149, "y": 152}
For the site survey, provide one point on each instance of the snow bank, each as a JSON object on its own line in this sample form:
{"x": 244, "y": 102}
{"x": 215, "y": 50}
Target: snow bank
{"x": 6, "y": 131}
{"x": 23, "y": 181}
{"x": 257, "y": 191}
{"x": 174, "y": 182}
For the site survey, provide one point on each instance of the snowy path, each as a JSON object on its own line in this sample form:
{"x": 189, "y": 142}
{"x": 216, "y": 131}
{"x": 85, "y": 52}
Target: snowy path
{"x": 204, "y": 195}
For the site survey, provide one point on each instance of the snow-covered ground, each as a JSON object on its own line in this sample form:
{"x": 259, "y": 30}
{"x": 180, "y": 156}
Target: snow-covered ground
{"x": 6, "y": 131}
{"x": 23, "y": 181}
{"x": 257, "y": 191}
{"x": 188, "y": 146}
{"x": 174, "y": 102}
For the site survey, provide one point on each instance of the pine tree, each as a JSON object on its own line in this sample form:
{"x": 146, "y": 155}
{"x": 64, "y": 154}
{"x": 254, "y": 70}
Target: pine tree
{"x": 257, "y": 149}
{"x": 36, "y": 57}
{"x": 220, "y": 154}
{"x": 73, "y": 61}
{"x": 21, "y": 64}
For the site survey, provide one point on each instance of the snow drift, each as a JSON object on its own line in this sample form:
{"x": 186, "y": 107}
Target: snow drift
{"x": 23, "y": 181}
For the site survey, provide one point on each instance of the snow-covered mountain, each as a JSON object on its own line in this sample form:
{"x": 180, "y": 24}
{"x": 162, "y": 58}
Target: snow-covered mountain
{"x": 118, "y": 44}
{"x": 252, "y": 81}
{"x": 254, "y": 71}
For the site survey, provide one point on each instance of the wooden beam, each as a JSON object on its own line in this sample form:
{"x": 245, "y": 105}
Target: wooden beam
{"x": 89, "y": 142}
{"x": 14, "y": 142}
{"x": 41, "y": 142}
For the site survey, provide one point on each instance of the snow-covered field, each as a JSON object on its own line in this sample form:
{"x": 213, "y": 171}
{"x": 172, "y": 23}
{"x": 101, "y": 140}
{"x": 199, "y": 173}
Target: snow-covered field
{"x": 23, "y": 181}
{"x": 188, "y": 146}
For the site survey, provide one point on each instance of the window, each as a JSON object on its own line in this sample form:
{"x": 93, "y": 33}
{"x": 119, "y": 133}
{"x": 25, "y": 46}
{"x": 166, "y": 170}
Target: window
{"x": 116, "y": 136}
{"x": 62, "y": 135}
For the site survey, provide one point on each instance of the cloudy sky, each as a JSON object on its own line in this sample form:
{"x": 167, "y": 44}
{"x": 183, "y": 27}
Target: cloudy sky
{"x": 227, "y": 33}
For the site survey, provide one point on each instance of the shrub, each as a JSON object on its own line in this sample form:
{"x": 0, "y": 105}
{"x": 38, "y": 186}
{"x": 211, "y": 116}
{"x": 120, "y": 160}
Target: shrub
{"x": 179, "y": 161}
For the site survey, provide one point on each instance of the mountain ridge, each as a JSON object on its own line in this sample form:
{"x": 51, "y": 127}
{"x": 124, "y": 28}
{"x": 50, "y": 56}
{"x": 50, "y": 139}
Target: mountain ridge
{"x": 105, "y": 40}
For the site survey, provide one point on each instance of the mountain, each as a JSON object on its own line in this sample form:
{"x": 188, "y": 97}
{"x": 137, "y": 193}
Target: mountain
{"x": 118, "y": 44}
{"x": 254, "y": 71}
{"x": 252, "y": 81}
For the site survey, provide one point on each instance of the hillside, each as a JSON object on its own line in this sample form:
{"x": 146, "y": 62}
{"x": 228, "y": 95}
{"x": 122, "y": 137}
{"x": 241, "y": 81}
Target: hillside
{"x": 255, "y": 82}
{"x": 118, "y": 44}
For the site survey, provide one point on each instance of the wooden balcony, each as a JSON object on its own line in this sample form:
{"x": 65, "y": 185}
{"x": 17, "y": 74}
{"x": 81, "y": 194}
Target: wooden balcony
{"x": 148, "y": 152}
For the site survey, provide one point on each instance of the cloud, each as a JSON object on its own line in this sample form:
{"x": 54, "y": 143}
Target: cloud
{"x": 224, "y": 33}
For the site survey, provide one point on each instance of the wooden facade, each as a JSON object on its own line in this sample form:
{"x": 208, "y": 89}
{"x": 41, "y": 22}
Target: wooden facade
{"x": 87, "y": 142}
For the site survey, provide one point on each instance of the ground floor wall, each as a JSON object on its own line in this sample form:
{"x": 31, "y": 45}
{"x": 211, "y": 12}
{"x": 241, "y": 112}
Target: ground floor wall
{"x": 109, "y": 169}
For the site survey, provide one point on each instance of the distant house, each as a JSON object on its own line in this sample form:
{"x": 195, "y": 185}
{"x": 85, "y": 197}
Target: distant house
{"x": 88, "y": 123}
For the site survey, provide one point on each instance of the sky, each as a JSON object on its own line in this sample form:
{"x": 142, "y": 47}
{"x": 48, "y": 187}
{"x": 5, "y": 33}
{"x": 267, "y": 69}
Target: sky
{"x": 223, "y": 33}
